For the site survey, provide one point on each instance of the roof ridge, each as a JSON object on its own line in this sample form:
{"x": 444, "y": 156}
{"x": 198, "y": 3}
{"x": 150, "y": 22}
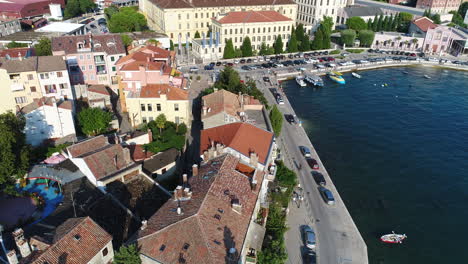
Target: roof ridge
{"x": 204, "y": 235}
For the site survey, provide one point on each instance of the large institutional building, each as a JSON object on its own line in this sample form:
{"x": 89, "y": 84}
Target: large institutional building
{"x": 181, "y": 19}
{"x": 439, "y": 6}
{"x": 311, "y": 12}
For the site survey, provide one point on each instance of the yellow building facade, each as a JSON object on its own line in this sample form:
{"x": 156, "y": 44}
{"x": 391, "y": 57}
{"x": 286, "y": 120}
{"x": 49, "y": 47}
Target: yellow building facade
{"x": 184, "y": 18}
{"x": 18, "y": 89}
{"x": 155, "y": 99}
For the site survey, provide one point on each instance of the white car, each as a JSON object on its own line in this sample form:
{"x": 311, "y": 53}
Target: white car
{"x": 433, "y": 59}
{"x": 255, "y": 60}
{"x": 279, "y": 65}
{"x": 364, "y": 61}
{"x": 193, "y": 69}
{"x": 260, "y": 59}
{"x": 236, "y": 61}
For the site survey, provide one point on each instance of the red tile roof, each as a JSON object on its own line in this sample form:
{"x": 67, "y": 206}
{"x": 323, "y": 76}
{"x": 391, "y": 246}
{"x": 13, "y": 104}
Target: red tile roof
{"x": 87, "y": 145}
{"x": 226, "y": 101}
{"x": 144, "y": 54}
{"x": 110, "y": 44}
{"x": 98, "y": 88}
{"x": 147, "y": 65}
{"x": 253, "y": 17}
{"x": 108, "y": 160}
{"x": 155, "y": 90}
{"x": 17, "y": 52}
{"x": 77, "y": 242}
{"x": 424, "y": 23}
{"x": 208, "y": 226}
{"x": 138, "y": 153}
{"x": 218, "y": 3}
{"x": 242, "y": 137}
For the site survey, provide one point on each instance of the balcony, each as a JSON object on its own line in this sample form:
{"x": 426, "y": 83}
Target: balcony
{"x": 99, "y": 59}
{"x": 16, "y": 84}
{"x": 101, "y": 69}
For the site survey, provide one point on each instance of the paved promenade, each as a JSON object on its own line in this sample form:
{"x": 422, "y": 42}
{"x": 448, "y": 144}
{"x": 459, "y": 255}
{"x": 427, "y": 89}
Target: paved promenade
{"x": 338, "y": 239}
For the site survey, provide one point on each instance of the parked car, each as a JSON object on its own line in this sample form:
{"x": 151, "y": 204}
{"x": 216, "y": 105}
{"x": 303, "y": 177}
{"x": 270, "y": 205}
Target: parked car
{"x": 249, "y": 60}
{"x": 305, "y": 151}
{"x": 308, "y": 235}
{"x": 266, "y": 79}
{"x": 289, "y": 118}
{"x": 327, "y": 195}
{"x": 193, "y": 69}
{"x": 279, "y": 99}
{"x": 312, "y": 163}
{"x": 318, "y": 178}
{"x": 230, "y": 64}
{"x": 245, "y": 67}
{"x": 208, "y": 67}
{"x": 310, "y": 257}
{"x": 218, "y": 63}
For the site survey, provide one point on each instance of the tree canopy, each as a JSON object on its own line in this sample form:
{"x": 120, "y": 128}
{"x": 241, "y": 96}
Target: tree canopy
{"x": 276, "y": 119}
{"x": 94, "y": 121}
{"x": 264, "y": 50}
{"x": 366, "y": 37}
{"x": 14, "y": 152}
{"x": 126, "y": 39}
{"x": 127, "y": 255}
{"x": 127, "y": 20}
{"x": 278, "y": 45}
{"x": 356, "y": 23}
{"x": 246, "y": 48}
{"x": 322, "y": 36}
{"x": 78, "y": 7}
{"x": 14, "y": 44}
{"x": 292, "y": 45}
{"x": 197, "y": 35}
{"x": 229, "y": 51}
{"x": 347, "y": 37}
{"x": 44, "y": 47}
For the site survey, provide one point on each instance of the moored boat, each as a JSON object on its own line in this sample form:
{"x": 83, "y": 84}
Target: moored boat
{"x": 300, "y": 81}
{"x": 314, "y": 80}
{"x": 336, "y": 76}
{"x": 393, "y": 238}
{"x": 356, "y": 75}
{"x": 427, "y": 76}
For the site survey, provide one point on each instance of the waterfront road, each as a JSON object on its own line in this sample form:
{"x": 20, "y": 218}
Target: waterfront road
{"x": 338, "y": 239}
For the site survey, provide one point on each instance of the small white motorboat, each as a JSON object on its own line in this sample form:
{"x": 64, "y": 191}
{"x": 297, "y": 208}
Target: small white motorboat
{"x": 300, "y": 81}
{"x": 393, "y": 238}
{"x": 427, "y": 76}
{"x": 356, "y": 75}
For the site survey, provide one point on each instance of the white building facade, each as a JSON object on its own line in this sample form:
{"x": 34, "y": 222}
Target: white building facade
{"x": 53, "y": 78}
{"x": 311, "y": 12}
{"x": 48, "y": 119}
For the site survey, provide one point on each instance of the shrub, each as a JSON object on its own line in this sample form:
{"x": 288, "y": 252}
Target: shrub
{"x": 347, "y": 37}
{"x": 335, "y": 52}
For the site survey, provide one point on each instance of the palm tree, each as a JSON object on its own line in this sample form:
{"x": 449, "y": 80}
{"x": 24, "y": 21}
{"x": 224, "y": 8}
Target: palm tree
{"x": 161, "y": 122}
{"x": 414, "y": 41}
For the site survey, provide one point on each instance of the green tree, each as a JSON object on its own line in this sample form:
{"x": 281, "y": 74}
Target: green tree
{"x": 43, "y": 47}
{"x": 246, "y": 48}
{"x": 356, "y": 23}
{"x": 380, "y": 23}
{"x": 229, "y": 80}
{"x": 94, "y": 121}
{"x": 14, "y": 152}
{"x": 300, "y": 32}
{"x": 127, "y": 255}
{"x": 385, "y": 24}
{"x": 229, "y": 51}
{"x": 462, "y": 9}
{"x": 86, "y": 6}
{"x": 457, "y": 19}
{"x": 326, "y": 27}
{"x": 197, "y": 35}
{"x": 110, "y": 11}
{"x": 404, "y": 21}
{"x": 366, "y": 37}
{"x": 278, "y": 45}
{"x": 369, "y": 24}
{"x": 405, "y": 16}
{"x": 238, "y": 53}
{"x": 127, "y": 20}
{"x": 375, "y": 23}
{"x": 171, "y": 45}
{"x": 126, "y": 39}
{"x": 305, "y": 43}
{"x": 436, "y": 19}
{"x": 161, "y": 122}
{"x": 13, "y": 44}
{"x": 72, "y": 9}
{"x": 292, "y": 46}
{"x": 348, "y": 37}
{"x": 276, "y": 119}
{"x": 263, "y": 49}
{"x": 318, "y": 40}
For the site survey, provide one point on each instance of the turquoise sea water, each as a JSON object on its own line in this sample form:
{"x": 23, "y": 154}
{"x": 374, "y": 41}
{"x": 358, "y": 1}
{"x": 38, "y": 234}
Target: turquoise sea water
{"x": 398, "y": 155}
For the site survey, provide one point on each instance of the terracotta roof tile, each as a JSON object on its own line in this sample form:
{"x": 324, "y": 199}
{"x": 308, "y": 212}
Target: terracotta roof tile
{"x": 225, "y": 101}
{"x": 208, "y": 226}
{"x": 218, "y": 3}
{"x": 98, "y": 88}
{"x": 155, "y": 90}
{"x": 87, "y": 145}
{"x": 147, "y": 65}
{"x": 108, "y": 160}
{"x": 142, "y": 54}
{"x": 109, "y": 43}
{"x": 424, "y": 23}
{"x": 17, "y": 52}
{"x": 242, "y": 137}
{"x": 253, "y": 17}
{"x": 91, "y": 239}
{"x": 138, "y": 153}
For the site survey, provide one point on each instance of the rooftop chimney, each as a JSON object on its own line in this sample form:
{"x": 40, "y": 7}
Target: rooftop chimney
{"x": 21, "y": 242}
{"x": 187, "y": 193}
{"x": 179, "y": 210}
{"x": 11, "y": 257}
{"x": 184, "y": 178}
{"x": 195, "y": 170}
{"x": 205, "y": 110}
{"x": 178, "y": 193}
{"x": 150, "y": 135}
{"x": 253, "y": 185}
{"x": 144, "y": 224}
{"x": 253, "y": 159}
{"x": 236, "y": 206}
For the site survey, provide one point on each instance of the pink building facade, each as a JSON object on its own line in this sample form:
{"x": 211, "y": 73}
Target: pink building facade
{"x": 147, "y": 65}
{"x": 444, "y": 39}
{"x": 91, "y": 59}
